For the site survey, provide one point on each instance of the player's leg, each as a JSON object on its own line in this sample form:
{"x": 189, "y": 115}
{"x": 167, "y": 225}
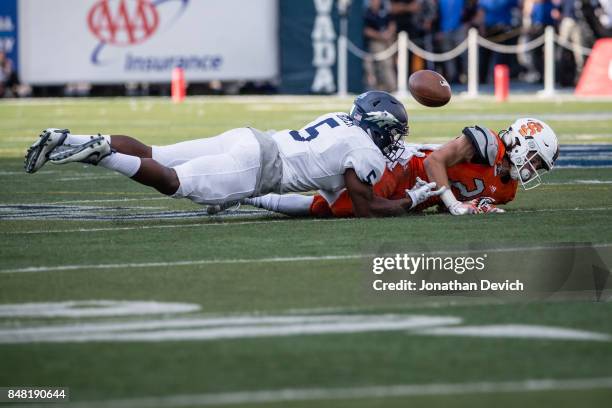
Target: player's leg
{"x": 129, "y": 145}
{"x": 289, "y": 204}
{"x": 179, "y": 153}
{"x": 153, "y": 174}
{"x": 169, "y": 156}
{"x": 213, "y": 179}
{"x": 159, "y": 173}
{"x": 227, "y": 176}
{"x": 119, "y": 143}
{"x": 59, "y": 146}
{"x": 52, "y": 139}
{"x": 300, "y": 205}
{"x": 98, "y": 151}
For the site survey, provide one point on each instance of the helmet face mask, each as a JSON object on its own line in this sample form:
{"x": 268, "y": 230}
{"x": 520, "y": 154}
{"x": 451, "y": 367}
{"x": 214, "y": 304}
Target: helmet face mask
{"x": 395, "y": 149}
{"x": 388, "y": 140}
{"x": 384, "y": 119}
{"x": 528, "y": 173}
{"x": 532, "y": 148}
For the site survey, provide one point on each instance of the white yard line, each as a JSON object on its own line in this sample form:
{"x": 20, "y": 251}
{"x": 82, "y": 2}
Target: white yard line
{"x": 247, "y": 326}
{"x": 263, "y": 221}
{"x": 114, "y": 200}
{"x": 129, "y": 265}
{"x": 360, "y": 392}
{"x": 180, "y": 263}
{"x": 579, "y": 182}
{"x": 77, "y": 178}
{"x": 140, "y": 227}
{"x": 560, "y": 210}
{"x": 516, "y": 331}
{"x": 204, "y": 224}
{"x": 228, "y": 328}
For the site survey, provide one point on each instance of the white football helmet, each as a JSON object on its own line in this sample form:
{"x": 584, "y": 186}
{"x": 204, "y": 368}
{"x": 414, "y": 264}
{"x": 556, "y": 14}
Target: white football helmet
{"x": 527, "y": 141}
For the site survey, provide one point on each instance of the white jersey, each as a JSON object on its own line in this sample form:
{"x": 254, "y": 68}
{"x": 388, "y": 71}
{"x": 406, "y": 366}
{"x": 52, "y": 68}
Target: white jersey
{"x": 317, "y": 156}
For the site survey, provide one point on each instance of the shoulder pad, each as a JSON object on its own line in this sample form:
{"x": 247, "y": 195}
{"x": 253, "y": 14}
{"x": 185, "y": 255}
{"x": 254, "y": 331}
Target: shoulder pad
{"x": 485, "y": 144}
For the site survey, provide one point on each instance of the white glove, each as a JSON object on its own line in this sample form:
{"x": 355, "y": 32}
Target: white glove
{"x": 485, "y": 205}
{"x": 418, "y": 150}
{"x": 455, "y": 207}
{"x": 422, "y": 191}
{"x": 460, "y": 208}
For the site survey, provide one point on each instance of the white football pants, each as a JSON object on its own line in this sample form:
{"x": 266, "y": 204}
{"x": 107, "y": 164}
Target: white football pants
{"x": 214, "y": 170}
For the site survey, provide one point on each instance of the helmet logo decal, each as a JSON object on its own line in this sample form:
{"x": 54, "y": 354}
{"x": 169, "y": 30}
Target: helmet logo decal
{"x": 382, "y": 119}
{"x": 531, "y": 128}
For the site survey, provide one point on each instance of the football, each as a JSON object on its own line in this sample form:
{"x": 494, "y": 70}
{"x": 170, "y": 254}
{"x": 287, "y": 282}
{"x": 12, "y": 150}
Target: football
{"x": 429, "y": 88}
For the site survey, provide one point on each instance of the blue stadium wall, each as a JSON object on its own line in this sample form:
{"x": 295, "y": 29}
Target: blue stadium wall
{"x": 308, "y": 31}
{"x": 8, "y": 30}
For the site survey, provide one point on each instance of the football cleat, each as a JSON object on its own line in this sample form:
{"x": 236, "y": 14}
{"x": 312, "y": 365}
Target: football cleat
{"x": 227, "y": 206}
{"x": 38, "y": 153}
{"x": 90, "y": 152}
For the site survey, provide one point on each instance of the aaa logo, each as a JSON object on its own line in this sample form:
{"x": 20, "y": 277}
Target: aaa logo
{"x": 123, "y": 22}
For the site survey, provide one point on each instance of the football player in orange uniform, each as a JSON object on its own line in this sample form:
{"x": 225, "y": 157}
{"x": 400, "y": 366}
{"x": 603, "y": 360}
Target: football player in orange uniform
{"x": 473, "y": 171}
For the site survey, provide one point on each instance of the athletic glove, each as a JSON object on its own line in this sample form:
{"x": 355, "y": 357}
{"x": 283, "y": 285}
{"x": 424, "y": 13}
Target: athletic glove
{"x": 422, "y": 191}
{"x": 461, "y": 208}
{"x": 484, "y": 205}
{"x": 418, "y": 150}
{"x": 455, "y": 207}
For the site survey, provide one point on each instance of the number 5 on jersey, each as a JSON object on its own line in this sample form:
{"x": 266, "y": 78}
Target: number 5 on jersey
{"x": 312, "y": 130}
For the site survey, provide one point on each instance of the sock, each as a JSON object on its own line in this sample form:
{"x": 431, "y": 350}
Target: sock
{"x": 80, "y": 139}
{"x": 290, "y": 204}
{"x": 122, "y": 163}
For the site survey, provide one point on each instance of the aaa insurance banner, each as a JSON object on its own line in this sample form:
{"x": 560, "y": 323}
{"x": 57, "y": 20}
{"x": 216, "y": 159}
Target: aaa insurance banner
{"x": 109, "y": 41}
{"x": 8, "y": 30}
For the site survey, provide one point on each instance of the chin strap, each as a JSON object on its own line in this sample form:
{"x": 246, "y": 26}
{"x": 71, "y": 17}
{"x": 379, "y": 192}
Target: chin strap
{"x": 506, "y": 137}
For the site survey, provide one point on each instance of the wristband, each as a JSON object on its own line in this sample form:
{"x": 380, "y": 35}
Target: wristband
{"x": 412, "y": 199}
{"x": 448, "y": 198}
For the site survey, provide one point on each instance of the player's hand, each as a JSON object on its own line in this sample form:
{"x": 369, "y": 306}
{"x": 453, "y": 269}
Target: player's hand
{"x": 461, "y": 208}
{"x": 484, "y": 205}
{"x": 419, "y": 150}
{"x": 422, "y": 191}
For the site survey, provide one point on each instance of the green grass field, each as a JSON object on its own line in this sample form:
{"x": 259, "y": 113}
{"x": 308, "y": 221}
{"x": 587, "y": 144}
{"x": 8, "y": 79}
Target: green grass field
{"x": 277, "y": 311}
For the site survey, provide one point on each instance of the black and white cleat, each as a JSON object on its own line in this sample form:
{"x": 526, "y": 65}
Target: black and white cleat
{"x": 90, "y": 152}
{"x": 38, "y": 153}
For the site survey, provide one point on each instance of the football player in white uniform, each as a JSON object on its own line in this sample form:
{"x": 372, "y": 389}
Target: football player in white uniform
{"x": 332, "y": 152}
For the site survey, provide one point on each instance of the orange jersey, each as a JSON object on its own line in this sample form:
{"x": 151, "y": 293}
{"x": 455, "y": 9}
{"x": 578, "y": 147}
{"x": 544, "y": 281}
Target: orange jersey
{"x": 468, "y": 181}
{"x": 343, "y": 206}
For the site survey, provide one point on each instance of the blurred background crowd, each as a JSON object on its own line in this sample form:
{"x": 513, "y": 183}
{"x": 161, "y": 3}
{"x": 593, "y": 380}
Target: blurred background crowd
{"x": 436, "y": 26}
{"x": 441, "y": 25}
{"x": 9, "y": 82}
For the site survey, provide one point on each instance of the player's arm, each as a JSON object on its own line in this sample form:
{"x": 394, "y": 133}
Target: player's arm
{"x": 367, "y": 204}
{"x": 477, "y": 145}
{"x": 454, "y": 152}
